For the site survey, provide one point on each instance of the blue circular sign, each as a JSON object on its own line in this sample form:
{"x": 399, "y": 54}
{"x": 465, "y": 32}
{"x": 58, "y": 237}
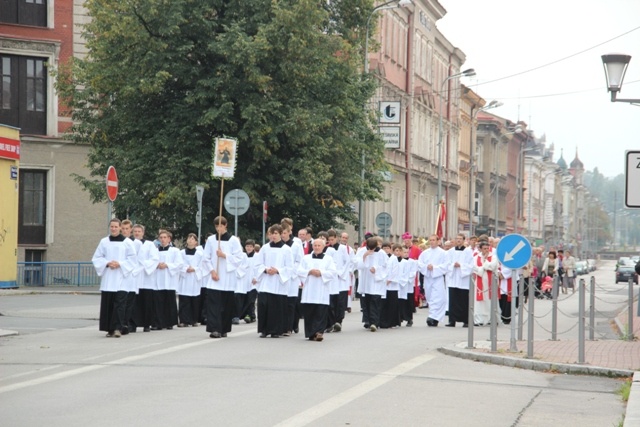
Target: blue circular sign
{"x": 514, "y": 251}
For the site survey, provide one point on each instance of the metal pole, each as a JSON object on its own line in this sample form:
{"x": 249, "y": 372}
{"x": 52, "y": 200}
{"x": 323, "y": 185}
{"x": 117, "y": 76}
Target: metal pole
{"x": 496, "y": 186}
{"x": 514, "y": 308}
{"x": 470, "y": 320}
{"x": 592, "y": 308}
{"x": 554, "y": 310}
{"x": 235, "y": 215}
{"x": 581, "y": 321}
{"x": 630, "y": 312}
{"x": 109, "y": 214}
{"x": 530, "y": 321}
{"x": 521, "y": 305}
{"x": 361, "y": 202}
{"x": 471, "y": 175}
{"x": 494, "y": 312}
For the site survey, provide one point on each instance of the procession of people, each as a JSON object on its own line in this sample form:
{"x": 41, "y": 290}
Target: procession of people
{"x": 218, "y": 284}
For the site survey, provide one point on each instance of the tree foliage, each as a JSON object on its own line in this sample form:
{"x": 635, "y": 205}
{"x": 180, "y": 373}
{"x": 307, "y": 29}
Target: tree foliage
{"x": 163, "y": 78}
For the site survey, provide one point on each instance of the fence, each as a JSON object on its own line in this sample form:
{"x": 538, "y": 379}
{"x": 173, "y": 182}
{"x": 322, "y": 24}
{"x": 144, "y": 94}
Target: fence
{"x": 57, "y": 274}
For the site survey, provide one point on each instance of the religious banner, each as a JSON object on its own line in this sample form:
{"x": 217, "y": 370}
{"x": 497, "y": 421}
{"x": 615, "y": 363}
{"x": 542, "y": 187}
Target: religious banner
{"x": 224, "y": 158}
{"x": 442, "y": 220}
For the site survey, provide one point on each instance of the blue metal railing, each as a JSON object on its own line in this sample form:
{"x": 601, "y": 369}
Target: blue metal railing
{"x": 57, "y": 274}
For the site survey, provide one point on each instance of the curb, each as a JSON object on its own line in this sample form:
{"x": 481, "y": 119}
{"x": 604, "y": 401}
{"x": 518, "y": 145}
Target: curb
{"x": 7, "y": 333}
{"x": 632, "y": 415}
{"x": 538, "y": 365}
{"x": 71, "y": 291}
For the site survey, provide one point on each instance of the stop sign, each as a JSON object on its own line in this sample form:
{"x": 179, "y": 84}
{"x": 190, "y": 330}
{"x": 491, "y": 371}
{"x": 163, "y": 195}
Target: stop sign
{"x": 112, "y": 183}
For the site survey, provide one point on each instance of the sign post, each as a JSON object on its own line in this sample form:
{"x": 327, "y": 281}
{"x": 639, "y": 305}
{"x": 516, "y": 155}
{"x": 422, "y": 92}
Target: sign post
{"x": 265, "y": 209}
{"x": 514, "y": 251}
{"x": 236, "y": 202}
{"x": 112, "y": 191}
{"x": 383, "y": 222}
{"x": 199, "y": 194}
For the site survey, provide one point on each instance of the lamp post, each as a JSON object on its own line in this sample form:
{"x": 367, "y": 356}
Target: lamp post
{"x": 472, "y": 181}
{"x": 388, "y": 5}
{"x": 615, "y": 67}
{"x": 466, "y": 73}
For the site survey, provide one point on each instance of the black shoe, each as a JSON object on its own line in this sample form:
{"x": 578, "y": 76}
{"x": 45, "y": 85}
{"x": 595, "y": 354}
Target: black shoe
{"x": 170, "y": 327}
{"x": 410, "y": 323}
{"x": 235, "y": 321}
{"x": 450, "y": 325}
{"x": 155, "y": 328}
{"x": 125, "y": 330}
{"x": 275, "y": 336}
{"x": 465, "y": 325}
{"x": 366, "y": 326}
{"x": 296, "y": 330}
{"x": 215, "y": 335}
{"x": 146, "y": 329}
{"x": 224, "y": 335}
{"x": 263, "y": 335}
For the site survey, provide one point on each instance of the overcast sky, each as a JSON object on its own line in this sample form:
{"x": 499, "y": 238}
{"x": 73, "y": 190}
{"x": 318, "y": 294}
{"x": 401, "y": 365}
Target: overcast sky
{"x": 505, "y": 37}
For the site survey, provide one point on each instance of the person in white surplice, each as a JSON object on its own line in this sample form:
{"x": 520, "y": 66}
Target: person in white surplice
{"x": 432, "y": 263}
{"x": 485, "y": 263}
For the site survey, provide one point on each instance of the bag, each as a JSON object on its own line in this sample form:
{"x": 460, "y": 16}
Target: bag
{"x": 561, "y": 271}
{"x": 638, "y": 268}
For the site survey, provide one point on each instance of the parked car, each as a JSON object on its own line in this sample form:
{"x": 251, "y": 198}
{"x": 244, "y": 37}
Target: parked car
{"x": 591, "y": 264}
{"x": 626, "y": 272}
{"x": 581, "y": 267}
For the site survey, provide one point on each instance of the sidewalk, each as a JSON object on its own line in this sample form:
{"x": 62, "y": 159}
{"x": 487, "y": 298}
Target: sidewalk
{"x": 612, "y": 358}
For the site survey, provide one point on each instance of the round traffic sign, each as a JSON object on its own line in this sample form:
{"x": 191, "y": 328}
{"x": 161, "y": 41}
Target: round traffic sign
{"x": 112, "y": 183}
{"x": 236, "y": 202}
{"x": 383, "y": 220}
{"x": 514, "y": 251}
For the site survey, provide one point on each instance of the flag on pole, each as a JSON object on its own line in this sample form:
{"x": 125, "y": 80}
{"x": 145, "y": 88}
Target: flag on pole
{"x": 442, "y": 220}
{"x": 224, "y": 158}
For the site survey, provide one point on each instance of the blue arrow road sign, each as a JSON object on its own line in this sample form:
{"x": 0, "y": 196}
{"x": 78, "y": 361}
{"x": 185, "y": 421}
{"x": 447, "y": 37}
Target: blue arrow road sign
{"x": 514, "y": 251}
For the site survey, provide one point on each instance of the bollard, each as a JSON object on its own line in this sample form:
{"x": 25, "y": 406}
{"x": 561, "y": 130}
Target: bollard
{"x": 581, "y": 321}
{"x": 494, "y": 311}
{"x": 554, "y": 309}
{"x": 521, "y": 306}
{"x": 630, "y": 312}
{"x": 592, "y": 309}
{"x": 470, "y": 321}
{"x": 513, "y": 347}
{"x": 530, "y": 320}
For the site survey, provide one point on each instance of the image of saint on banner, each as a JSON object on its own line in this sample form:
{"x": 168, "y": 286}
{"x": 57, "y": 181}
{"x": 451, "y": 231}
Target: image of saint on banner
{"x": 224, "y": 158}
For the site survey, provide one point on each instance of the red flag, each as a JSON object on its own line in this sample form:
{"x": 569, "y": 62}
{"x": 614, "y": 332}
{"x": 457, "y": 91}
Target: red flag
{"x": 442, "y": 219}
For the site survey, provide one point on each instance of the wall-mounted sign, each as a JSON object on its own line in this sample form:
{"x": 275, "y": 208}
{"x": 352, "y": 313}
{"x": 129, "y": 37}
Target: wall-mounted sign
{"x": 9, "y": 148}
{"x": 390, "y": 112}
{"x": 390, "y": 136}
{"x": 14, "y": 172}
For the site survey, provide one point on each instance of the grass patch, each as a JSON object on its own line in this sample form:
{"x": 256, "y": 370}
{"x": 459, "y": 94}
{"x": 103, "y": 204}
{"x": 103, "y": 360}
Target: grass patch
{"x": 625, "y": 390}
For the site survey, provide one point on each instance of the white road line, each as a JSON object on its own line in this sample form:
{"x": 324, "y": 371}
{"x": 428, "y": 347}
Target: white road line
{"x": 339, "y": 400}
{"x": 123, "y": 361}
{"x": 35, "y": 371}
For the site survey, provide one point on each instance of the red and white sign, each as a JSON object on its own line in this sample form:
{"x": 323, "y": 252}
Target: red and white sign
{"x": 112, "y": 183}
{"x": 9, "y": 148}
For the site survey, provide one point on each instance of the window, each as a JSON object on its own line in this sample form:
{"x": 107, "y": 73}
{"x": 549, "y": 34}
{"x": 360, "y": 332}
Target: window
{"x": 24, "y": 12}
{"x": 24, "y": 93}
{"x": 32, "y": 207}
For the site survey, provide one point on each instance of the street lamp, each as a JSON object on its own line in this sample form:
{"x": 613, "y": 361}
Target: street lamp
{"x": 615, "y": 66}
{"x": 388, "y": 5}
{"x": 466, "y": 73}
{"x": 490, "y": 105}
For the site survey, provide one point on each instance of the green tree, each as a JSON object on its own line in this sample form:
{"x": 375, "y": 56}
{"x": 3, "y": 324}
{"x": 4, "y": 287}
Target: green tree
{"x": 163, "y": 78}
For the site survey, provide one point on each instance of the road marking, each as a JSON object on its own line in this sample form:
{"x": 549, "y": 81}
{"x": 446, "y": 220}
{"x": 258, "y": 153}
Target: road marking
{"x": 35, "y": 371}
{"x": 347, "y": 396}
{"x": 123, "y": 361}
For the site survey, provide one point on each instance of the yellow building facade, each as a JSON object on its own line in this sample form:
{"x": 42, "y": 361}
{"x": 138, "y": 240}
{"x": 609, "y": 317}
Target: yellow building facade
{"x": 9, "y": 163}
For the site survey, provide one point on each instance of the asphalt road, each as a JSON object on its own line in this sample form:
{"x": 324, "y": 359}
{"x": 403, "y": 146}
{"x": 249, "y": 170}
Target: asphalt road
{"x": 61, "y": 371}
